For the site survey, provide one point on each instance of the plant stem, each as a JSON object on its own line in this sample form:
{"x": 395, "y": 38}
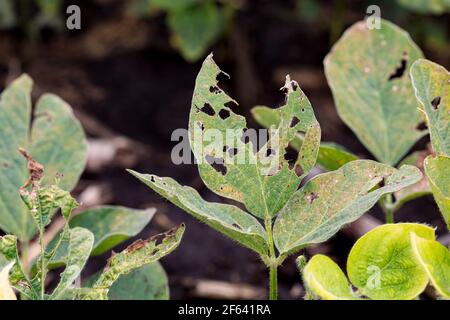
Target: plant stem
{"x": 388, "y": 208}
{"x": 273, "y": 263}
{"x": 41, "y": 242}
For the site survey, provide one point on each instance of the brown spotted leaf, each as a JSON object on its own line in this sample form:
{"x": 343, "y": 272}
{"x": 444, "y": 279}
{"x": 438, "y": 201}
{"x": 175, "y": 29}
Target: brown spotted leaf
{"x": 368, "y": 72}
{"x": 330, "y": 200}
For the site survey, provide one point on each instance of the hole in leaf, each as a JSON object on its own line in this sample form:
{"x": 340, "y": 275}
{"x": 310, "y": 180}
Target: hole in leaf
{"x": 294, "y": 121}
{"x": 421, "y": 126}
{"x": 217, "y": 164}
{"x": 208, "y": 109}
{"x": 435, "y": 103}
{"x": 232, "y": 152}
{"x": 398, "y": 73}
{"x": 312, "y": 197}
{"x": 152, "y": 179}
{"x": 224, "y": 113}
{"x": 200, "y": 125}
{"x": 269, "y": 152}
{"x": 237, "y": 226}
{"x": 214, "y": 89}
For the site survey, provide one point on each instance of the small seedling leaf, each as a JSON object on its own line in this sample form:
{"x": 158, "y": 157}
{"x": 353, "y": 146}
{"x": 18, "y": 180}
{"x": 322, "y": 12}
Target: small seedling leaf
{"x": 382, "y": 264}
{"x": 323, "y": 277}
{"x": 367, "y": 70}
{"x": 330, "y": 200}
{"x": 435, "y": 259}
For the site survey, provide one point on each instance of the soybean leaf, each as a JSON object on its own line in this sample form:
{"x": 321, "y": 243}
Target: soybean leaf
{"x": 438, "y": 174}
{"x": 137, "y": 255}
{"x": 18, "y": 278}
{"x": 382, "y": 264}
{"x": 432, "y": 87}
{"x": 367, "y": 71}
{"x": 195, "y": 28}
{"x": 323, "y": 277}
{"x": 228, "y": 219}
{"x": 79, "y": 248}
{"x": 112, "y": 225}
{"x": 331, "y": 156}
{"x": 6, "y": 291}
{"x": 330, "y": 200}
{"x": 55, "y": 139}
{"x": 435, "y": 259}
{"x": 426, "y": 6}
{"x": 146, "y": 283}
{"x": 262, "y": 180}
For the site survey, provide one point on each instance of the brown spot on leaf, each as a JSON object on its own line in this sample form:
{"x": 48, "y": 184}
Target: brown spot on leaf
{"x": 35, "y": 169}
{"x": 312, "y": 197}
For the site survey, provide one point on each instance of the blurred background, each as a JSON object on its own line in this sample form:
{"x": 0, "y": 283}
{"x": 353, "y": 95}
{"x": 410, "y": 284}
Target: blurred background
{"x": 129, "y": 74}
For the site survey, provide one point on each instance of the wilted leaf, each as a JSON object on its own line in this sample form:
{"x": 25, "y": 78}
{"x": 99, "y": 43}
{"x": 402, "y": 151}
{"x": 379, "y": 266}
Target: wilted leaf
{"x": 229, "y": 162}
{"x": 432, "y": 87}
{"x": 137, "y": 255}
{"x": 6, "y": 291}
{"x": 227, "y": 219}
{"x": 435, "y": 259}
{"x": 55, "y": 139}
{"x": 331, "y": 156}
{"x": 330, "y": 200}
{"x": 195, "y": 28}
{"x": 326, "y": 280}
{"x": 426, "y": 6}
{"x": 437, "y": 170}
{"x": 367, "y": 71}
{"x": 382, "y": 264}
{"x": 112, "y": 225}
{"x": 80, "y": 244}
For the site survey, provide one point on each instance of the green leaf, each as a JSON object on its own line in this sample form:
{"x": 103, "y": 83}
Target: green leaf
{"x": 228, "y": 219}
{"x": 326, "y": 280}
{"x": 195, "y": 28}
{"x": 435, "y": 259}
{"x": 264, "y": 180}
{"x": 426, "y": 6}
{"x": 171, "y": 5}
{"x": 382, "y": 263}
{"x": 137, "y": 255}
{"x": 367, "y": 71}
{"x": 146, "y": 283}
{"x": 432, "y": 86}
{"x": 330, "y": 200}
{"x": 55, "y": 139}
{"x": 331, "y": 155}
{"x": 437, "y": 171}
{"x": 112, "y": 225}
{"x": 80, "y": 246}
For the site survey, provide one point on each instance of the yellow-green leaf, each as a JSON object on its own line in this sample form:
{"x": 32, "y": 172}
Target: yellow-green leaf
{"x": 326, "y": 280}
{"x": 382, "y": 264}
{"x": 368, "y": 72}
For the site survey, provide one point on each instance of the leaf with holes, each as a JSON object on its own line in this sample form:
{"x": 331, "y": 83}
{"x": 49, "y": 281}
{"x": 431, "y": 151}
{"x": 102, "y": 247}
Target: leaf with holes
{"x": 367, "y": 70}
{"x": 331, "y": 156}
{"x": 382, "y": 264}
{"x": 228, "y": 160}
{"x": 323, "y": 278}
{"x": 437, "y": 170}
{"x": 435, "y": 259}
{"x": 55, "y": 139}
{"x": 137, "y": 255}
{"x": 432, "y": 86}
{"x": 330, "y": 200}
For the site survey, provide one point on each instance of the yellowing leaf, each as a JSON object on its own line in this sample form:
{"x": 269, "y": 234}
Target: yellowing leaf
{"x": 367, "y": 70}
{"x": 6, "y": 291}
{"x": 382, "y": 264}
{"x": 435, "y": 259}
{"x": 326, "y": 280}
